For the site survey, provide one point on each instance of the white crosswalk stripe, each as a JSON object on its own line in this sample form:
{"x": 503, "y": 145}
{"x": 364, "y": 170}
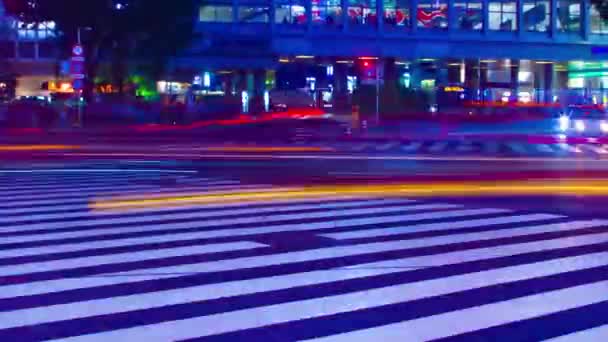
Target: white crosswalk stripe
{"x": 387, "y": 146}
{"x": 438, "y": 147}
{"x": 517, "y": 147}
{"x": 418, "y": 270}
{"x": 411, "y": 147}
{"x": 491, "y": 147}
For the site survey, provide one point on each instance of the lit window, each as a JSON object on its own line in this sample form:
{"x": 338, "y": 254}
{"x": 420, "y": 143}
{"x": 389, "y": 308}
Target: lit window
{"x": 362, "y": 12}
{"x": 503, "y": 15}
{"x": 432, "y": 14}
{"x": 290, "y": 12}
{"x": 216, "y": 13}
{"x": 569, "y": 15}
{"x": 326, "y": 12}
{"x": 396, "y": 13}
{"x": 536, "y": 15}
{"x": 254, "y": 14}
{"x": 469, "y": 14}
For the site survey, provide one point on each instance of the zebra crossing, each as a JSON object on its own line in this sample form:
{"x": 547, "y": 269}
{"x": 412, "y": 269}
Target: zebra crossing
{"x": 508, "y": 148}
{"x": 327, "y": 269}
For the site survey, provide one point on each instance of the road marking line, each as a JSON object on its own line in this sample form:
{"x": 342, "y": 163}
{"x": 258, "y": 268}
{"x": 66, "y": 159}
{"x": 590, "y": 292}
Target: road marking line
{"x": 517, "y": 147}
{"x": 411, "y": 147}
{"x": 438, "y": 147}
{"x": 124, "y": 257}
{"x": 473, "y": 254}
{"x": 157, "y": 299}
{"x": 218, "y": 213}
{"x": 544, "y": 148}
{"x": 387, "y": 146}
{"x": 426, "y": 328}
{"x": 495, "y": 251}
{"x": 221, "y": 224}
{"x": 370, "y": 233}
{"x": 459, "y": 322}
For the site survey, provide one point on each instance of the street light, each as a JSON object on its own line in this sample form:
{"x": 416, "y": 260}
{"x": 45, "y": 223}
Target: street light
{"x": 78, "y": 35}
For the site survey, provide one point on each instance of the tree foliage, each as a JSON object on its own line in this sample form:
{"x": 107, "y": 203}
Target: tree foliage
{"x": 147, "y": 31}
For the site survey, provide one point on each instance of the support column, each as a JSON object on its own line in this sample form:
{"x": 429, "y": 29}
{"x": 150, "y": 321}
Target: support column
{"x": 345, "y": 19}
{"x": 585, "y": 19}
{"x": 413, "y": 15}
{"x": 553, "y": 18}
{"x": 308, "y": 7}
{"x": 549, "y": 71}
{"x": 453, "y": 72}
{"x": 380, "y": 15}
{"x": 229, "y": 82}
{"x": 235, "y": 12}
{"x": 451, "y": 16}
{"x": 520, "y": 17}
{"x": 514, "y": 77}
{"x": 340, "y": 96}
{"x": 272, "y": 16}
{"x": 483, "y": 80}
{"x": 259, "y": 88}
{"x": 486, "y": 16}
{"x": 472, "y": 78}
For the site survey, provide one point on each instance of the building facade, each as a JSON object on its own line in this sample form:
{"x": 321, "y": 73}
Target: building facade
{"x": 528, "y": 48}
{"x": 28, "y": 56}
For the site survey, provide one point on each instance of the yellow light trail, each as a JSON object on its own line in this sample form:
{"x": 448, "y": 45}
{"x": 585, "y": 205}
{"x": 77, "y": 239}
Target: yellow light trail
{"x": 13, "y": 148}
{"x": 507, "y": 188}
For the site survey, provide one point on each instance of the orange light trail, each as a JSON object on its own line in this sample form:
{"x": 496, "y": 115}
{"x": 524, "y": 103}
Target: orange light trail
{"x": 509, "y": 188}
{"x": 14, "y": 148}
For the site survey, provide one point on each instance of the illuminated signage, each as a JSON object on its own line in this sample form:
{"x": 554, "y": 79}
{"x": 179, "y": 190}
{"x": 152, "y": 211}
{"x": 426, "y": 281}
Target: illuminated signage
{"x": 453, "y": 89}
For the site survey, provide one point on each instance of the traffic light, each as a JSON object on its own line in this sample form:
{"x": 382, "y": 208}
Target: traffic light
{"x": 367, "y": 68}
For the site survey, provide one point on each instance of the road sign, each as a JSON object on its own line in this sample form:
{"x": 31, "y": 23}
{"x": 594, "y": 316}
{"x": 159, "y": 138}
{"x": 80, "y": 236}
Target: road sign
{"x": 77, "y": 51}
{"x": 78, "y": 84}
{"x": 77, "y": 66}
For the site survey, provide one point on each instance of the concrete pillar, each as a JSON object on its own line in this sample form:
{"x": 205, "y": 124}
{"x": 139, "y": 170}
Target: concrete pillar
{"x": 514, "y": 77}
{"x": 520, "y": 17}
{"x": 390, "y": 72}
{"x": 452, "y": 22}
{"x": 413, "y": 15}
{"x": 259, "y": 88}
{"x": 538, "y": 82}
{"x": 443, "y": 75}
{"x": 553, "y": 18}
{"x": 380, "y": 15}
{"x": 229, "y": 84}
{"x": 549, "y": 71}
{"x": 585, "y": 19}
{"x": 344, "y": 15}
{"x": 472, "y": 78}
{"x": 340, "y": 84}
{"x": 486, "y": 16}
{"x": 453, "y": 72}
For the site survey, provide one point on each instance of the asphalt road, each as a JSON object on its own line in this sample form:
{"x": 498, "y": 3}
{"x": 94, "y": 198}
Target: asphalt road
{"x": 277, "y": 249}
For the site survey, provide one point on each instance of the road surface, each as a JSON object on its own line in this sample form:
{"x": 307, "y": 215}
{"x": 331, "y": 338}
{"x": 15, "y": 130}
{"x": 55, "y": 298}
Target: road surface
{"x": 138, "y": 249}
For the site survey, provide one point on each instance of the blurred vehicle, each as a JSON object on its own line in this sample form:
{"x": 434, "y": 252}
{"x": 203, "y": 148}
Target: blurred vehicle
{"x": 30, "y": 111}
{"x": 589, "y": 120}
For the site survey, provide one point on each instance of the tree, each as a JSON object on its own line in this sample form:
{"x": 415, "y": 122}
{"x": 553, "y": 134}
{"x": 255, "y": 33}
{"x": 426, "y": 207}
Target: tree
{"x": 149, "y": 31}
